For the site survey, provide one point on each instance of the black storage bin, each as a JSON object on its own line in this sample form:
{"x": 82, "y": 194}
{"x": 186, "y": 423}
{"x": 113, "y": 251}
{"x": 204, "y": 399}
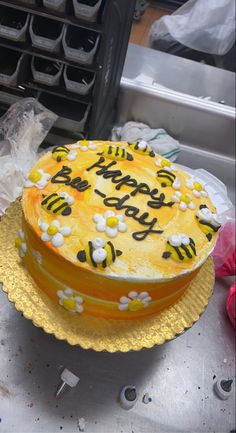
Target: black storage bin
{"x": 55, "y": 5}
{"x": 80, "y": 45}
{"x": 46, "y": 34}
{"x": 46, "y": 71}
{"x": 87, "y": 9}
{"x": 78, "y": 80}
{"x": 11, "y": 65}
{"x": 72, "y": 115}
{"x": 89, "y": 50}
{"x": 13, "y": 24}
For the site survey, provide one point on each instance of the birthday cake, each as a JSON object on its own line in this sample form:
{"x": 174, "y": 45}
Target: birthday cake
{"x": 113, "y": 229}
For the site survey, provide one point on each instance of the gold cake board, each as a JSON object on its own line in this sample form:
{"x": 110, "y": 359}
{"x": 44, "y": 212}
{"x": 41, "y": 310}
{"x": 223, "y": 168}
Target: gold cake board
{"x": 87, "y": 331}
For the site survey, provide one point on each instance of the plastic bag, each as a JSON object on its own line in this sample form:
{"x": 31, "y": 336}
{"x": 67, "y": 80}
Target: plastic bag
{"x": 224, "y": 254}
{"x": 207, "y": 26}
{"x": 22, "y": 129}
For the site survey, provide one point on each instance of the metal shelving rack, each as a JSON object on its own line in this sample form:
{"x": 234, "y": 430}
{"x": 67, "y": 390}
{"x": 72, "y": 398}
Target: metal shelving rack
{"x": 95, "y": 110}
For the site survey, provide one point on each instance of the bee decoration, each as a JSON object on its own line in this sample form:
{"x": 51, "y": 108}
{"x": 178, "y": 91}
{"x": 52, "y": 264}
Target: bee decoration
{"x": 142, "y": 148}
{"x": 57, "y": 204}
{"x": 99, "y": 253}
{"x": 207, "y": 221}
{"x": 116, "y": 153}
{"x": 166, "y": 178}
{"x": 180, "y": 248}
{"x": 61, "y": 153}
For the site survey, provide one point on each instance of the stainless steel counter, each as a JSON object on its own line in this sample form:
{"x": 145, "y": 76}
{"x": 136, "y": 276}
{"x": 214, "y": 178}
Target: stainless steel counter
{"x": 179, "y": 375}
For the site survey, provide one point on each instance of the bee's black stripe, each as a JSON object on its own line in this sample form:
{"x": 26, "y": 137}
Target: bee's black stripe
{"x": 181, "y": 257}
{"x": 54, "y": 202}
{"x": 60, "y": 149}
{"x": 117, "y": 151}
{"x": 47, "y": 198}
{"x": 165, "y": 176}
{"x": 123, "y": 153}
{"x": 192, "y": 245}
{"x": 91, "y": 254}
{"x": 109, "y": 150}
{"x": 187, "y": 252}
{"x": 65, "y": 204}
{"x": 113, "y": 253}
{"x": 165, "y": 173}
{"x": 152, "y": 154}
{"x": 136, "y": 146}
{"x": 215, "y": 229}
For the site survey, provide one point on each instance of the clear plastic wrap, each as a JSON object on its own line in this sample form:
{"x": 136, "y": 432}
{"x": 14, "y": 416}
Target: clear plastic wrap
{"x": 207, "y": 26}
{"x": 22, "y": 129}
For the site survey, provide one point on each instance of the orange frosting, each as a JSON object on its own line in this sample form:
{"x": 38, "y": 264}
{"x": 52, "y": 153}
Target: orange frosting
{"x": 118, "y": 276}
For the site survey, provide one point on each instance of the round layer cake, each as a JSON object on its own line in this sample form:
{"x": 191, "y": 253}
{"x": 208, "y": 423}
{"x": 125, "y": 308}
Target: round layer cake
{"x": 113, "y": 229}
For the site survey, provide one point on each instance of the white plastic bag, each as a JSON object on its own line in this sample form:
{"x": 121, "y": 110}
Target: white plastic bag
{"x": 203, "y": 25}
{"x": 22, "y": 129}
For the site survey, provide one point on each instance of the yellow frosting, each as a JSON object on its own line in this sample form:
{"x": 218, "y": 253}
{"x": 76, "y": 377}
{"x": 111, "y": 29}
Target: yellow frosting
{"x": 129, "y": 264}
{"x": 139, "y": 259}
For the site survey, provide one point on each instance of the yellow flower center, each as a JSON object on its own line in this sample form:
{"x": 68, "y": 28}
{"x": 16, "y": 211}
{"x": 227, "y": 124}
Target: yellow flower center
{"x": 185, "y": 199}
{"x": 18, "y": 242}
{"x": 165, "y": 163}
{"x": 52, "y": 230}
{"x": 112, "y": 221}
{"x": 197, "y": 186}
{"x": 135, "y": 305}
{"x": 84, "y": 142}
{"x": 34, "y": 176}
{"x": 69, "y": 304}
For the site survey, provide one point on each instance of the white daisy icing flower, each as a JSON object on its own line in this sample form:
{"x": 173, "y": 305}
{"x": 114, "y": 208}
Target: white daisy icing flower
{"x": 84, "y": 145}
{"x": 71, "y": 156}
{"x": 38, "y": 256}
{"x": 196, "y": 188}
{"x": 134, "y": 301}
{"x": 184, "y": 200}
{"x": 166, "y": 164}
{"x": 53, "y": 232}
{"x": 38, "y": 178}
{"x": 70, "y": 200}
{"x": 20, "y": 243}
{"x": 70, "y": 301}
{"x": 110, "y": 223}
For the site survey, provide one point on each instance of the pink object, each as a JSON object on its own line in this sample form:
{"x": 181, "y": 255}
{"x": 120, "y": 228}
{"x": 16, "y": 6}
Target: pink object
{"x": 224, "y": 254}
{"x": 231, "y": 304}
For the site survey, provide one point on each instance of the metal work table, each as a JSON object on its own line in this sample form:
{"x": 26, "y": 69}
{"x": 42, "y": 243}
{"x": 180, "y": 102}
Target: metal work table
{"x": 178, "y": 375}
